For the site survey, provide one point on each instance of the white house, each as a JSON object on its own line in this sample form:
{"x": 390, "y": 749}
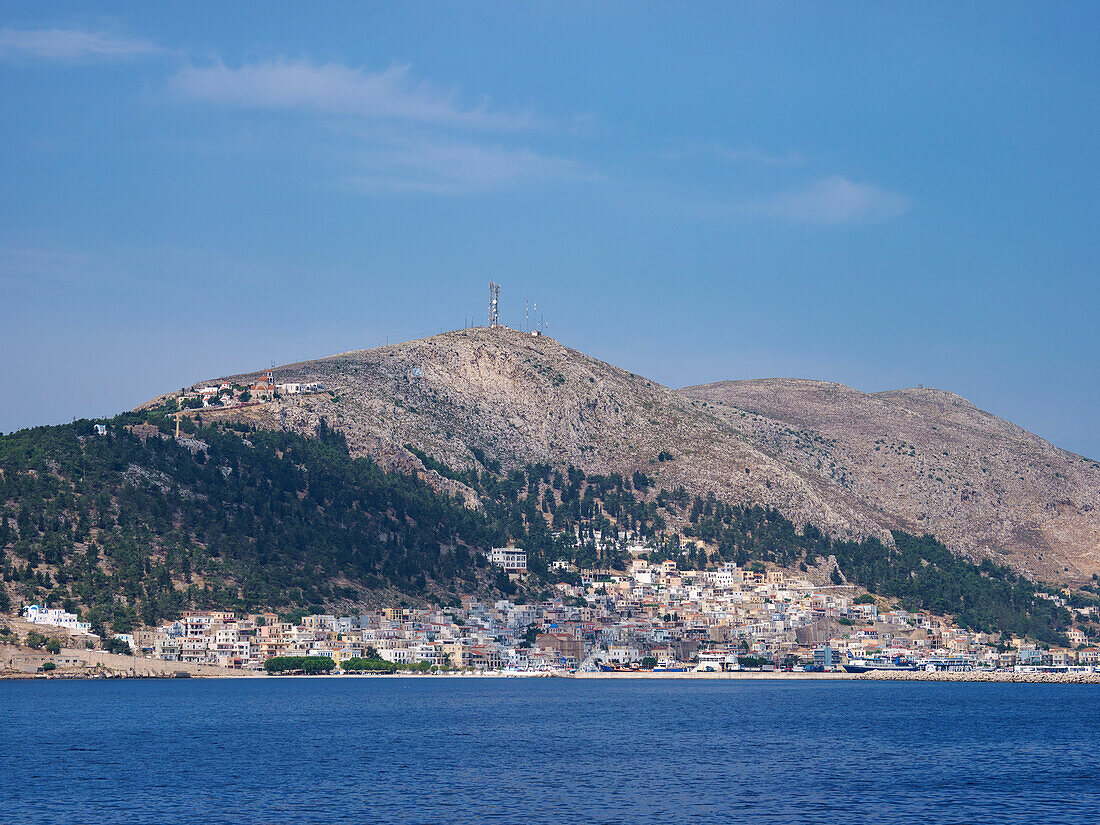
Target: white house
{"x": 55, "y": 617}
{"x": 512, "y": 559}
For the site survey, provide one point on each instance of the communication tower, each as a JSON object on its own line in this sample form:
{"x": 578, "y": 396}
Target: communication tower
{"x": 494, "y": 304}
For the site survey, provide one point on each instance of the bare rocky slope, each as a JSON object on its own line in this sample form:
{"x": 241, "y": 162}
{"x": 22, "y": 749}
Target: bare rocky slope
{"x": 851, "y": 463}
{"x": 928, "y": 461}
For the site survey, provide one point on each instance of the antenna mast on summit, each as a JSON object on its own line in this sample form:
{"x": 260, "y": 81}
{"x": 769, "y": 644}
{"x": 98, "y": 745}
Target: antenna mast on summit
{"x": 494, "y": 304}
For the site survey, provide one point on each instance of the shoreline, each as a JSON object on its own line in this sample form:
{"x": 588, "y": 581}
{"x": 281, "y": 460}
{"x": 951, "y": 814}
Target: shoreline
{"x": 1000, "y": 677}
{"x": 989, "y": 677}
{"x": 748, "y": 675}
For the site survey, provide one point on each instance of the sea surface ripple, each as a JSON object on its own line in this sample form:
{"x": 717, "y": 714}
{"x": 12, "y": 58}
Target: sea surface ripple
{"x": 448, "y": 750}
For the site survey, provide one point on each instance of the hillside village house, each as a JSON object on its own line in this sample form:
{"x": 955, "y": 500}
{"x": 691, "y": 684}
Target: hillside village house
{"x": 512, "y": 559}
{"x": 55, "y": 617}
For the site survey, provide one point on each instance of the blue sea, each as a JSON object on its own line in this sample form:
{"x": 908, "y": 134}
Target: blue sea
{"x": 446, "y": 750}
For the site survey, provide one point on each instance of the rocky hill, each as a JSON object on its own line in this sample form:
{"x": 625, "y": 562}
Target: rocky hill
{"x": 853, "y": 464}
{"x": 928, "y": 461}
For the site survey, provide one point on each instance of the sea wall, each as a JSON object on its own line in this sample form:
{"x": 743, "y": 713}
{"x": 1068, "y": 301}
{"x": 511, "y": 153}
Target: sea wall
{"x": 735, "y": 674}
{"x": 981, "y": 676}
{"x": 874, "y": 675}
{"x": 74, "y": 662}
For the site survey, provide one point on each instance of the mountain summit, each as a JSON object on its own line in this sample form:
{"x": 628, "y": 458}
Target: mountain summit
{"x": 851, "y": 463}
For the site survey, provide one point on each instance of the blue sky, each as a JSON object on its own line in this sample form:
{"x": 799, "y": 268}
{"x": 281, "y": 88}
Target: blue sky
{"x": 880, "y": 194}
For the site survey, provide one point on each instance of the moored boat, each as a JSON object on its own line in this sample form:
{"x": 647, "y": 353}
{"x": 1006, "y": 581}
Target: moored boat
{"x": 868, "y": 664}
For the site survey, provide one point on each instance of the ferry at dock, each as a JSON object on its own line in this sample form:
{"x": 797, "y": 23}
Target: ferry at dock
{"x": 868, "y": 664}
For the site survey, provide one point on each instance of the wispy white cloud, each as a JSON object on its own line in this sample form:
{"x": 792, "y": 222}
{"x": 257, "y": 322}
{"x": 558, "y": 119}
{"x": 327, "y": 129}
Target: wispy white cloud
{"x": 391, "y": 94}
{"x": 829, "y": 201}
{"x": 756, "y": 156}
{"x": 72, "y": 45}
{"x": 726, "y": 154}
{"x": 446, "y": 166}
{"x": 388, "y": 131}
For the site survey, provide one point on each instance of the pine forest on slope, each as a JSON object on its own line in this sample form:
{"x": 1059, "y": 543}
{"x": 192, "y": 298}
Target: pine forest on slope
{"x": 134, "y": 526}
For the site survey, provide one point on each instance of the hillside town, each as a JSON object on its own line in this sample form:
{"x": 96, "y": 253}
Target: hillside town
{"x": 227, "y": 394}
{"x": 653, "y": 617}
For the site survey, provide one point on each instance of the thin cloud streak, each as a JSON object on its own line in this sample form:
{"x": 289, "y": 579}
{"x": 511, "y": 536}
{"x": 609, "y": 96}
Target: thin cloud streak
{"x": 756, "y": 156}
{"x": 394, "y": 134}
{"x": 831, "y": 201}
{"x": 726, "y": 154}
{"x": 72, "y": 46}
{"x": 449, "y": 167}
{"x": 333, "y": 88}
